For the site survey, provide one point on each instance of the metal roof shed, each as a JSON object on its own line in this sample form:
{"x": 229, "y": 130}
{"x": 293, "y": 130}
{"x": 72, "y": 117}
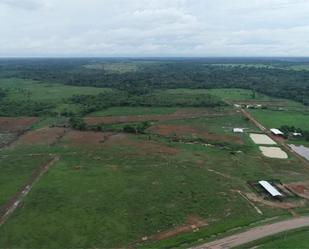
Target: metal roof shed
{"x": 270, "y": 189}
{"x": 276, "y": 131}
{"x": 238, "y": 130}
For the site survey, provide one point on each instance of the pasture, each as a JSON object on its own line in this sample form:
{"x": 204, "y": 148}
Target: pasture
{"x": 182, "y": 180}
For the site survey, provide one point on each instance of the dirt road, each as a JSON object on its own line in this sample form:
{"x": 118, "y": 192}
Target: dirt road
{"x": 280, "y": 141}
{"x": 256, "y": 233}
{"x": 15, "y": 201}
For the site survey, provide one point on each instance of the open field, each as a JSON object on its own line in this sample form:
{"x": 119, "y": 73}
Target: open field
{"x": 128, "y": 111}
{"x": 184, "y": 179}
{"x": 117, "y": 189}
{"x": 40, "y": 91}
{"x": 275, "y": 119}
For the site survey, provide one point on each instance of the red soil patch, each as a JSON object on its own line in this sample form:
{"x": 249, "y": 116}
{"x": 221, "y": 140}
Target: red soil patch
{"x": 15, "y": 125}
{"x": 45, "y": 136}
{"x": 178, "y": 130}
{"x": 84, "y": 138}
{"x": 184, "y": 130}
{"x": 193, "y": 223}
{"x": 300, "y": 189}
{"x": 141, "y": 146}
{"x": 141, "y": 118}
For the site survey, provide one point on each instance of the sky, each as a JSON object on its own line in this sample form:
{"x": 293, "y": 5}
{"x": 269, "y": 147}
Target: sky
{"x": 144, "y": 28}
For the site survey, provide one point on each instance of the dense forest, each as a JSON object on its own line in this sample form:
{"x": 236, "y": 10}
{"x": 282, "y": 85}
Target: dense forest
{"x": 274, "y": 78}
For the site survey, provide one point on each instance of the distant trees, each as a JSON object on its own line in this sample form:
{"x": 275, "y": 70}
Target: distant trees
{"x": 78, "y": 123}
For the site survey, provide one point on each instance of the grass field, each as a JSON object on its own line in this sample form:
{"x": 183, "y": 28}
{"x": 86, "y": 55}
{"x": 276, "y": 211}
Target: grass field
{"x": 113, "y": 194}
{"x": 20, "y": 89}
{"x": 121, "y": 111}
{"x": 111, "y": 190}
{"x": 275, "y": 119}
{"x": 15, "y": 170}
{"x": 57, "y": 94}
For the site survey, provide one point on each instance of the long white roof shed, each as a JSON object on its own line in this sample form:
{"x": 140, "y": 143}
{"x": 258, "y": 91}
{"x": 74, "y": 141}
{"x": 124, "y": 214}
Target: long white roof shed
{"x": 270, "y": 189}
{"x": 276, "y": 131}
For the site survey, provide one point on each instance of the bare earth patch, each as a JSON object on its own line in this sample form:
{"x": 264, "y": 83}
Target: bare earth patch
{"x": 273, "y": 152}
{"x": 44, "y": 136}
{"x": 185, "y": 130}
{"x": 141, "y": 146}
{"x": 84, "y": 138}
{"x": 141, "y": 118}
{"x": 275, "y": 204}
{"x": 300, "y": 189}
{"x": 262, "y": 139}
{"x": 15, "y": 125}
{"x": 193, "y": 223}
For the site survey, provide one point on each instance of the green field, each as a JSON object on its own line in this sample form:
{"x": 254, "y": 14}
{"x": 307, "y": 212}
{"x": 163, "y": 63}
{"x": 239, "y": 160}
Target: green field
{"x": 20, "y": 89}
{"x": 127, "y": 111}
{"x": 15, "y": 171}
{"x": 276, "y": 119}
{"x": 112, "y": 195}
{"x": 112, "y": 189}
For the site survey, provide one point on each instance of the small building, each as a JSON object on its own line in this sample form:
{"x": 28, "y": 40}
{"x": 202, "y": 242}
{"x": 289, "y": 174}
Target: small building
{"x": 238, "y": 130}
{"x": 237, "y": 105}
{"x": 276, "y": 132}
{"x": 270, "y": 189}
{"x": 297, "y": 134}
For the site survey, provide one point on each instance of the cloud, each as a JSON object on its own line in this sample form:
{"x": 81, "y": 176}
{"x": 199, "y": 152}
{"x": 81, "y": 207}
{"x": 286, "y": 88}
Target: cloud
{"x": 22, "y": 4}
{"x": 154, "y": 28}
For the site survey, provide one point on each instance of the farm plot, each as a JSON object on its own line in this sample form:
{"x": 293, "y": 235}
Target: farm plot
{"x": 178, "y": 115}
{"x": 44, "y": 136}
{"x": 15, "y": 125}
{"x": 11, "y": 128}
{"x": 130, "y": 190}
{"x": 217, "y": 129}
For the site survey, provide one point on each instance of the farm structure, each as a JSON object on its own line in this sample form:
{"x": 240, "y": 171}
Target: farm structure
{"x": 270, "y": 189}
{"x": 276, "y": 132}
{"x": 238, "y": 130}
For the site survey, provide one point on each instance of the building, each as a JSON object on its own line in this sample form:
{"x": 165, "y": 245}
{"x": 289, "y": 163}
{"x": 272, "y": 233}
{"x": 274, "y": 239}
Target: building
{"x": 270, "y": 189}
{"x": 238, "y": 130}
{"x": 297, "y": 134}
{"x": 276, "y": 132}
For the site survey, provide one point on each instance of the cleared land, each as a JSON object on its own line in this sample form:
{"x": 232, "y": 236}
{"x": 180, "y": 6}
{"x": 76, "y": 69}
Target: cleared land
{"x": 273, "y": 152}
{"x": 182, "y": 180}
{"x": 262, "y": 139}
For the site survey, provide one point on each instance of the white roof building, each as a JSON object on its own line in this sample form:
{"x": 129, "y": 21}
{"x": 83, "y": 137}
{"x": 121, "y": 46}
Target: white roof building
{"x": 238, "y": 130}
{"x": 276, "y": 131}
{"x": 270, "y": 189}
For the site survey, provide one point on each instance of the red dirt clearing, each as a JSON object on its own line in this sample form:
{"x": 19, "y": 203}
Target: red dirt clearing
{"x": 300, "y": 189}
{"x": 193, "y": 223}
{"x": 45, "y": 136}
{"x": 141, "y": 146}
{"x": 185, "y": 130}
{"x": 14, "y": 125}
{"x": 84, "y": 138}
{"x": 141, "y": 118}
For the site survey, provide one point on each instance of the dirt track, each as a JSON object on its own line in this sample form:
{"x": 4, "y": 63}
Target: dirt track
{"x": 15, "y": 201}
{"x": 256, "y": 233}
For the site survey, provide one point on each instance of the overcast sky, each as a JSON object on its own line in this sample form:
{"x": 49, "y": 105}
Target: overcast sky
{"x": 154, "y": 28}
